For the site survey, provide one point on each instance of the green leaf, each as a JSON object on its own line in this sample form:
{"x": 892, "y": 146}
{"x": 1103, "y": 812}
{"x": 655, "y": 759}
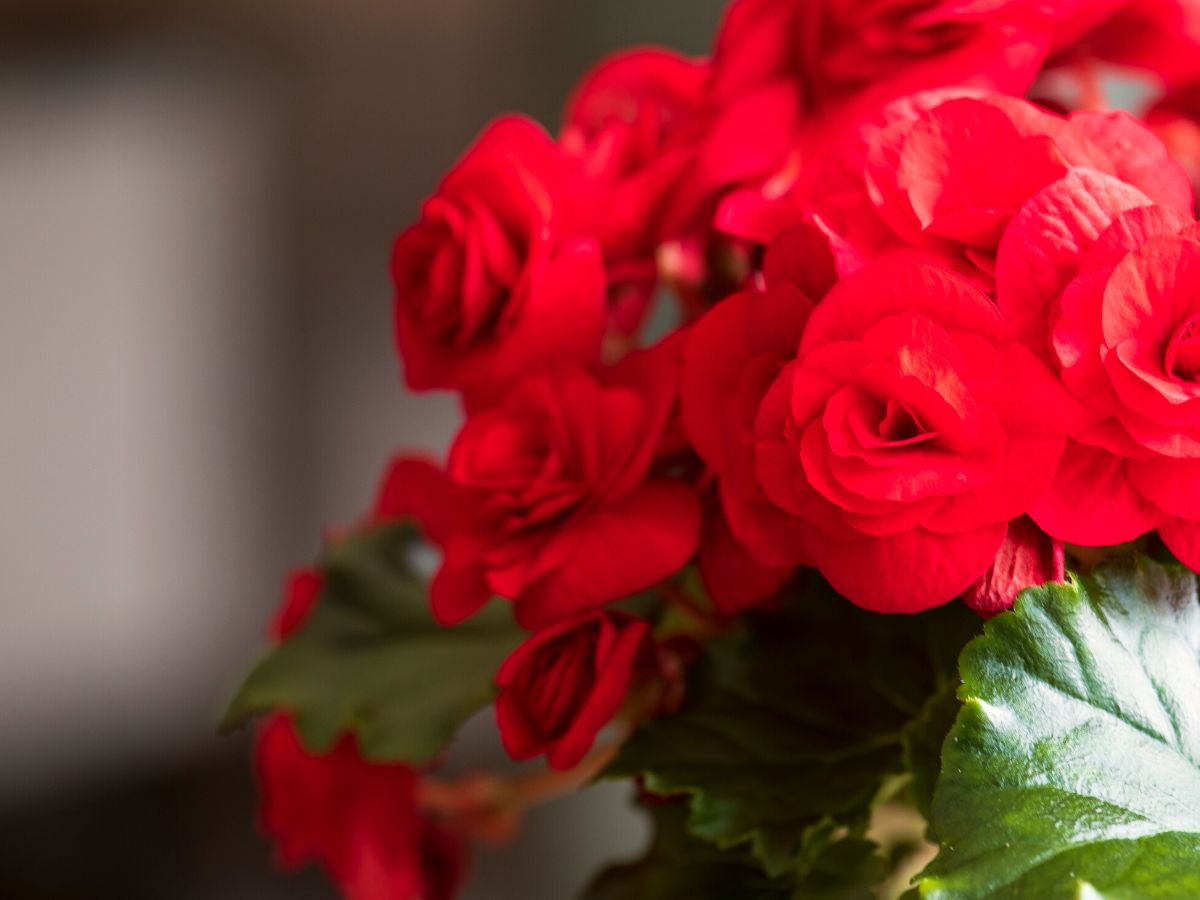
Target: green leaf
{"x": 922, "y": 741}
{"x": 847, "y": 870}
{"x": 679, "y": 866}
{"x": 793, "y": 729}
{"x": 1073, "y": 769}
{"x": 371, "y": 658}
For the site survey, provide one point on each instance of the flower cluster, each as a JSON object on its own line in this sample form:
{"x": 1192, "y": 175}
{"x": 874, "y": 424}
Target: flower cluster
{"x": 922, "y": 331}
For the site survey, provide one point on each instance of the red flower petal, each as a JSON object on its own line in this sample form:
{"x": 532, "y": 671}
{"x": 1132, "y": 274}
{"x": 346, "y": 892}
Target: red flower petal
{"x": 417, "y": 488}
{"x": 734, "y": 579}
{"x": 1093, "y": 502}
{"x": 617, "y": 550}
{"x": 1027, "y": 557}
{"x": 858, "y": 302}
{"x": 1173, "y": 485}
{"x": 1042, "y": 248}
{"x": 458, "y": 591}
{"x": 1182, "y": 537}
{"x": 714, "y": 359}
{"x": 908, "y": 572}
{"x": 1138, "y": 157}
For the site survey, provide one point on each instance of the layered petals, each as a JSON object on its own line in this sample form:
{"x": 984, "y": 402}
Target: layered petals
{"x": 1028, "y": 557}
{"x": 564, "y": 684}
{"x": 733, "y": 355}
{"x": 358, "y": 820}
{"x": 902, "y": 438}
{"x": 1104, "y": 285}
{"x": 944, "y": 172}
{"x": 496, "y": 273}
{"x": 563, "y": 510}
{"x": 623, "y": 547}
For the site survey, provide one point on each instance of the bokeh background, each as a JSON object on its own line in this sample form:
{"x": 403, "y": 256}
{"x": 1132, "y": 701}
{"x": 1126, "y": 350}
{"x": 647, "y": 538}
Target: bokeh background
{"x": 197, "y": 202}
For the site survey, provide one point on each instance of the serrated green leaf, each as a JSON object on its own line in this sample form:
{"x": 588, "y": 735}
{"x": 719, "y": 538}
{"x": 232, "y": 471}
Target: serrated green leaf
{"x": 792, "y": 730}
{"x": 848, "y": 869}
{"x": 1073, "y": 769}
{"x": 922, "y": 742}
{"x": 371, "y": 659}
{"x": 679, "y": 866}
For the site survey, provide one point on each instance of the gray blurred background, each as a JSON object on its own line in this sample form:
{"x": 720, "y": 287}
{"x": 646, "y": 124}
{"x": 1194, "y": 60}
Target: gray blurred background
{"x": 197, "y": 201}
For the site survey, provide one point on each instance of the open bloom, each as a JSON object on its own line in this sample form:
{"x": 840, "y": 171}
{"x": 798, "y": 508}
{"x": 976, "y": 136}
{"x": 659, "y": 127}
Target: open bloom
{"x": 941, "y": 174}
{"x": 836, "y": 49}
{"x": 1106, "y": 286}
{"x": 564, "y": 684}
{"x": 567, "y": 512}
{"x": 793, "y": 75}
{"x": 633, "y": 127}
{"x": 906, "y": 435}
{"x": 494, "y": 276}
{"x": 359, "y": 820}
{"x": 733, "y": 355}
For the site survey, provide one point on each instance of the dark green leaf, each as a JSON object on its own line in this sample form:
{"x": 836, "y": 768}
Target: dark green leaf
{"x": 792, "y": 730}
{"x": 371, "y": 659}
{"x": 923, "y": 738}
{"x": 847, "y": 870}
{"x": 679, "y": 866}
{"x": 1073, "y": 769}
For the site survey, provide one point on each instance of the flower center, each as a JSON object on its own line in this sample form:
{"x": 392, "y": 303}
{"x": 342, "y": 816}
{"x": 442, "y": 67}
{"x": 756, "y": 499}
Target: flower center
{"x": 1183, "y": 351}
{"x": 900, "y": 426}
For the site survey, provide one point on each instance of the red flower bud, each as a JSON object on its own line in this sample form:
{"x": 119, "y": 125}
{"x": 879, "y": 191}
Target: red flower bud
{"x": 564, "y": 684}
{"x": 1027, "y": 557}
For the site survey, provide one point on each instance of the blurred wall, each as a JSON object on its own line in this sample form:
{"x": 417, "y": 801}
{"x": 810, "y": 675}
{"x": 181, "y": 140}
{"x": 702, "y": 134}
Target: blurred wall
{"x": 196, "y": 373}
{"x": 140, "y": 388}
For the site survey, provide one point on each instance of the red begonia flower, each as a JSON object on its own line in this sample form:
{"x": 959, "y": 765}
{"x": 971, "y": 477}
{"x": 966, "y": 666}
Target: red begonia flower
{"x": 906, "y": 435}
{"x": 358, "y": 820}
{"x": 633, "y": 128}
{"x": 733, "y": 355}
{"x": 793, "y": 75}
{"x": 566, "y": 682}
{"x": 1027, "y": 557}
{"x": 566, "y": 510}
{"x": 1104, "y": 285}
{"x": 495, "y": 276}
{"x": 941, "y": 174}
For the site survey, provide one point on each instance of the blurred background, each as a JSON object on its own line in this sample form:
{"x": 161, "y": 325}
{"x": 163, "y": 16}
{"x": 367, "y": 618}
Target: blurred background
{"x": 197, "y": 202}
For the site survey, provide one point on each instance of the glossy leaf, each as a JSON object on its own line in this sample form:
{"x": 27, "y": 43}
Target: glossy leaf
{"x": 1073, "y": 769}
{"x": 371, "y": 659}
{"x": 679, "y": 866}
{"x": 922, "y": 745}
{"x": 793, "y": 728}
